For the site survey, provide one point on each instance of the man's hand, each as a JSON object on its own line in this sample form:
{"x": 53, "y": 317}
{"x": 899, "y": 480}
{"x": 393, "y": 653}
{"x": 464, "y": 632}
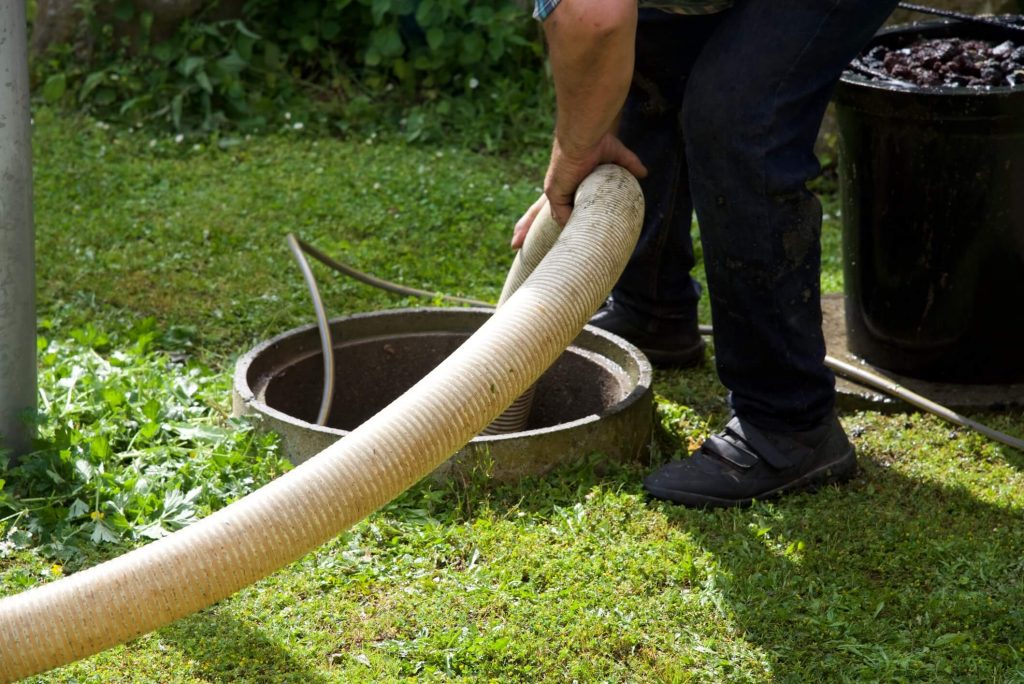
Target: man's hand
{"x": 568, "y": 169}
{"x": 524, "y": 224}
{"x": 565, "y": 175}
{"x": 591, "y": 48}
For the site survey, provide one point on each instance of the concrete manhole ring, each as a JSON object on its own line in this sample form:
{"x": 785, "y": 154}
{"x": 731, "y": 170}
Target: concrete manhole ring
{"x": 596, "y": 398}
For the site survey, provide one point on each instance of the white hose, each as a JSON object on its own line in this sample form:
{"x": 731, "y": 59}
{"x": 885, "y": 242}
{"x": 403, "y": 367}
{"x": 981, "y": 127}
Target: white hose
{"x": 168, "y": 579}
{"x": 539, "y": 241}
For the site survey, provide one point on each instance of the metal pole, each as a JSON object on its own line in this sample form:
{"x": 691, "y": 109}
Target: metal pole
{"x": 17, "y": 244}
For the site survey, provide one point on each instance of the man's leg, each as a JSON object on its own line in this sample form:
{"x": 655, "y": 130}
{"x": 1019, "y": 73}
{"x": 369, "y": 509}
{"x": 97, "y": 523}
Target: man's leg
{"x": 754, "y": 103}
{"x": 654, "y": 303}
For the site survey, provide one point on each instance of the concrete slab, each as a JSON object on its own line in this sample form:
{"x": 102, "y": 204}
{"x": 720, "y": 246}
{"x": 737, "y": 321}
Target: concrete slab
{"x": 959, "y": 397}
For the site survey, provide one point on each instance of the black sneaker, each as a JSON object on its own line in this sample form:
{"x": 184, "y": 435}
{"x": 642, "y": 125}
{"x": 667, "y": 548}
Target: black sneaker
{"x": 743, "y": 463}
{"x": 680, "y": 347}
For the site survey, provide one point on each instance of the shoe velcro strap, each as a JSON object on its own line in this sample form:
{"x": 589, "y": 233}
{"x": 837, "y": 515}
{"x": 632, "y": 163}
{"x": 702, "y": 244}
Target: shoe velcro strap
{"x": 732, "y": 451}
{"x": 761, "y": 445}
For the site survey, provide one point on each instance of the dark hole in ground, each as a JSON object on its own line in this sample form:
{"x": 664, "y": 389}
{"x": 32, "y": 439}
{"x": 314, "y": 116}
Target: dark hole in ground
{"x": 371, "y": 373}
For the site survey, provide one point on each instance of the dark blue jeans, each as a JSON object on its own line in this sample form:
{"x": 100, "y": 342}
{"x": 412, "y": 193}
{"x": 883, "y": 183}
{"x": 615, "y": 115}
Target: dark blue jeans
{"x": 724, "y": 110}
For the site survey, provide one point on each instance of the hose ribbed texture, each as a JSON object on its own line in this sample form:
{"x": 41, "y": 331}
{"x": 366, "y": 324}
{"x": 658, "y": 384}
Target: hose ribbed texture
{"x": 275, "y": 525}
{"x": 539, "y": 241}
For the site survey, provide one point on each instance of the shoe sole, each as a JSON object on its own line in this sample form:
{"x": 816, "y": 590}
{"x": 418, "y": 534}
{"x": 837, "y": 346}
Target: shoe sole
{"x": 840, "y": 470}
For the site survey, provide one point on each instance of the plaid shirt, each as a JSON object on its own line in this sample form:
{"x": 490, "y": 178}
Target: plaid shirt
{"x": 542, "y": 8}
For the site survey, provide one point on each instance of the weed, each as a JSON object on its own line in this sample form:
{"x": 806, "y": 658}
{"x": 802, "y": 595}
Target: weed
{"x": 131, "y": 446}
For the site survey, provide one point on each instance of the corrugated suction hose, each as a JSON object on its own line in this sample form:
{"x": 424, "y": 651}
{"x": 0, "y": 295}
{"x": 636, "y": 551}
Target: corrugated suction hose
{"x": 168, "y": 579}
{"x": 539, "y": 241}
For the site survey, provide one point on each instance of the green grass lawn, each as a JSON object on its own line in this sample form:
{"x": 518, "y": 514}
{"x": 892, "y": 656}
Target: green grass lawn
{"x": 160, "y": 262}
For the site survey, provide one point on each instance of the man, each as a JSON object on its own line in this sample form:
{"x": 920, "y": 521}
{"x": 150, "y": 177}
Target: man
{"x": 715, "y": 105}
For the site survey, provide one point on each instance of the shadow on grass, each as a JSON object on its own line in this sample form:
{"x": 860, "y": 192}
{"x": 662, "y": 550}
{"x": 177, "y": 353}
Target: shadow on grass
{"x": 895, "y": 576}
{"x": 885, "y": 579}
{"x": 222, "y": 649}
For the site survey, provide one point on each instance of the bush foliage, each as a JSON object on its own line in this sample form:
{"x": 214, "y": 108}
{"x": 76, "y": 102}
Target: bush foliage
{"x": 339, "y": 65}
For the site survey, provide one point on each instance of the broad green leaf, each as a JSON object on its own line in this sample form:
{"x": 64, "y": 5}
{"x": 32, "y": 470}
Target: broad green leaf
{"x": 472, "y": 48}
{"x": 189, "y": 65}
{"x": 153, "y": 530}
{"x": 379, "y": 8}
{"x": 100, "y": 447}
{"x": 55, "y": 87}
{"x": 204, "y": 82}
{"x": 163, "y": 52}
{"x": 102, "y": 533}
{"x": 244, "y": 30}
{"x": 431, "y": 13}
{"x": 232, "y": 63}
{"x": 950, "y": 639}
{"x": 105, "y": 96}
{"x": 435, "y": 37}
{"x": 84, "y": 468}
{"x": 244, "y": 46}
{"x": 482, "y": 15}
{"x": 495, "y": 49}
{"x": 201, "y": 433}
{"x": 177, "y": 103}
{"x": 113, "y": 396}
{"x": 151, "y": 409}
{"x": 387, "y": 41}
{"x": 402, "y": 69}
{"x": 91, "y": 82}
{"x": 78, "y": 508}
{"x": 149, "y": 430}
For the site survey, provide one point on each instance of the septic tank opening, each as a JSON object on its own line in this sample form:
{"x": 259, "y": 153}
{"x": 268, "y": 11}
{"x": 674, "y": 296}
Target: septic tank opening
{"x": 595, "y": 398}
{"x": 372, "y": 373}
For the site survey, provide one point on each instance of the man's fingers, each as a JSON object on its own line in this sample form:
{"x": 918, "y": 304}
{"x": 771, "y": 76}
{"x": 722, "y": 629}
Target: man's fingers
{"x": 524, "y": 224}
{"x": 566, "y": 172}
{"x": 559, "y": 200}
{"x": 626, "y": 158}
{"x": 560, "y": 212}
{"x": 560, "y": 192}
{"x": 633, "y": 164}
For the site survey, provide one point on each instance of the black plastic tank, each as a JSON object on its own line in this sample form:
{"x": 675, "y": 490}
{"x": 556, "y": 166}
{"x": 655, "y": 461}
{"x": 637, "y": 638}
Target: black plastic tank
{"x": 932, "y": 184}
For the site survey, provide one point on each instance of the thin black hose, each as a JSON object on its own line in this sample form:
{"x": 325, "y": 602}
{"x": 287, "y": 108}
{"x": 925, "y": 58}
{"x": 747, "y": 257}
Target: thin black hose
{"x": 861, "y": 375}
{"x": 380, "y": 283}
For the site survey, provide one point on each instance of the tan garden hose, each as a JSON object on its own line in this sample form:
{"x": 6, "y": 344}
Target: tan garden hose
{"x": 168, "y": 579}
{"x": 539, "y": 241}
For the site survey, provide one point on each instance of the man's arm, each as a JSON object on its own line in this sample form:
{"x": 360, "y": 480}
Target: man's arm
{"x": 591, "y": 48}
